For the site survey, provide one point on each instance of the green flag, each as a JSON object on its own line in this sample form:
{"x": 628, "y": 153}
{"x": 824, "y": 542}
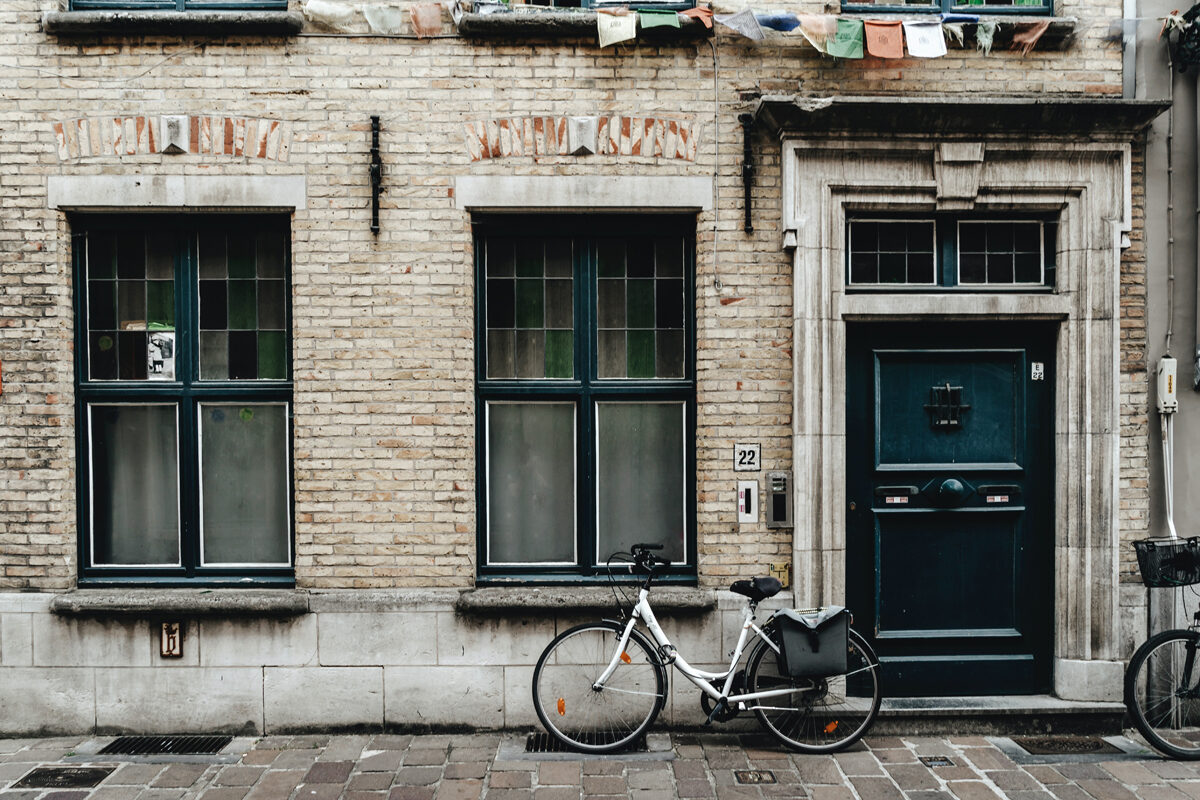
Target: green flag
{"x": 658, "y": 19}
{"x": 848, "y": 41}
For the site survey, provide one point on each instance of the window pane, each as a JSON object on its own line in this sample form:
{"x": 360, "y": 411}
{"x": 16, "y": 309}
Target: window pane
{"x": 101, "y": 255}
{"x": 131, "y": 255}
{"x": 640, "y": 477}
{"x": 244, "y": 484}
{"x": 530, "y": 317}
{"x": 102, "y": 305}
{"x": 899, "y": 252}
{"x": 102, "y": 356}
{"x": 1000, "y": 253}
{"x": 531, "y": 482}
{"x": 634, "y": 311}
{"x": 134, "y": 485}
{"x": 243, "y": 296}
{"x": 160, "y": 256}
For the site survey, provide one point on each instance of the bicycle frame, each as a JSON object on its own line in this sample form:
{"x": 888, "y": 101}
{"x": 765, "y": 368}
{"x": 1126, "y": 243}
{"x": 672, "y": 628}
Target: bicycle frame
{"x": 699, "y": 677}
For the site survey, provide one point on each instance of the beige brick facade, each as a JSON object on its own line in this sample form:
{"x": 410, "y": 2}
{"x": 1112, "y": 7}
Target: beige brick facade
{"x": 383, "y": 324}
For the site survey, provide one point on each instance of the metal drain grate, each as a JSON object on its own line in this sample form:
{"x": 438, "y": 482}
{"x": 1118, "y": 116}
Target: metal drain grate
{"x": 1064, "y": 745}
{"x": 63, "y": 778}
{"x": 751, "y": 776}
{"x": 545, "y": 743}
{"x": 935, "y": 761}
{"x": 166, "y": 745}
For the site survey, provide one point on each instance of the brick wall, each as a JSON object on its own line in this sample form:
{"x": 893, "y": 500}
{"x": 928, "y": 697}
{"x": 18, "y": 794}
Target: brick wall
{"x": 382, "y": 329}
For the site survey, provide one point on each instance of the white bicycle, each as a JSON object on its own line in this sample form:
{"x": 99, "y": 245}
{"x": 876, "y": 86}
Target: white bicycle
{"x": 599, "y": 686}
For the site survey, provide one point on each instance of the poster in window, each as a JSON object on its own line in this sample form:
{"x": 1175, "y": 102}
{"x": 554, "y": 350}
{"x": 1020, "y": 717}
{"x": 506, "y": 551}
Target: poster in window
{"x": 160, "y": 356}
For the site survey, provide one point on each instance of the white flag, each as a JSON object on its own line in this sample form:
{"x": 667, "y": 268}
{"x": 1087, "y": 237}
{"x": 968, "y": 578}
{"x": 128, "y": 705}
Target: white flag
{"x": 925, "y": 39}
{"x": 743, "y": 22}
{"x": 613, "y": 29}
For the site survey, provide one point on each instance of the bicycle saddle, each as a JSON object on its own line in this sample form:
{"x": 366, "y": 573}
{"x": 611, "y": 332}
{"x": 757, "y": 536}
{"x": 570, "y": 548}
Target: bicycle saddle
{"x": 757, "y": 589}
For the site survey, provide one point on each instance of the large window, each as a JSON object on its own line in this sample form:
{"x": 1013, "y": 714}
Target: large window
{"x": 184, "y": 398}
{"x": 944, "y": 251}
{"x": 586, "y": 392}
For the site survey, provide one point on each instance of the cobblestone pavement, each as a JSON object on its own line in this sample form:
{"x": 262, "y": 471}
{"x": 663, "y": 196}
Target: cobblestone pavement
{"x": 493, "y": 766}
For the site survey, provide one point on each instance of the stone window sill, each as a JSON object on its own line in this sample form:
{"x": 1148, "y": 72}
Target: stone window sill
{"x": 183, "y": 23}
{"x": 502, "y": 600}
{"x": 190, "y": 603}
{"x": 564, "y": 25}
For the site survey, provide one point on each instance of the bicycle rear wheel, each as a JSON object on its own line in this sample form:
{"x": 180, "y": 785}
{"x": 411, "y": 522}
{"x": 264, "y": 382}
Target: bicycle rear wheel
{"x": 1162, "y": 693}
{"x": 822, "y": 715}
{"x": 598, "y": 720}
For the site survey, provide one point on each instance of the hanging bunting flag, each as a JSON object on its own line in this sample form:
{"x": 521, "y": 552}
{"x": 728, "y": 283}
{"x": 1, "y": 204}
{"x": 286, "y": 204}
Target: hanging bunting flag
{"x": 426, "y": 19}
{"x": 848, "y": 41}
{"x": 657, "y": 19}
{"x": 985, "y": 33}
{"x": 1027, "y": 35}
{"x": 702, "y": 14}
{"x": 884, "y": 39}
{"x": 615, "y": 28}
{"x": 925, "y": 39}
{"x": 744, "y": 23}
{"x": 777, "y": 20}
{"x": 954, "y": 30}
{"x": 818, "y": 29}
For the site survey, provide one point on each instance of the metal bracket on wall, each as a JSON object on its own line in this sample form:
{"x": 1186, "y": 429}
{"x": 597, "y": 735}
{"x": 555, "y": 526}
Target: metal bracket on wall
{"x": 376, "y": 174}
{"x": 747, "y": 121}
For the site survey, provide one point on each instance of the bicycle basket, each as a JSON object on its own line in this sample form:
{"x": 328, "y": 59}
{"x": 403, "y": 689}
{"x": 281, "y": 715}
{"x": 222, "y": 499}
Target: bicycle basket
{"x": 1169, "y": 562}
{"x": 812, "y": 644}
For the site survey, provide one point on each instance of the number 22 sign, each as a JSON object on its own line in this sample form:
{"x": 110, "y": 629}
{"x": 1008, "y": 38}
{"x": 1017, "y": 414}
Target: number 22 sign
{"x": 746, "y": 457}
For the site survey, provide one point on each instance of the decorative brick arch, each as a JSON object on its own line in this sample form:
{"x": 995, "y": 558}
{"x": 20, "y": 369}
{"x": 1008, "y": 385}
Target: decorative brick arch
{"x": 616, "y": 136}
{"x": 118, "y": 136}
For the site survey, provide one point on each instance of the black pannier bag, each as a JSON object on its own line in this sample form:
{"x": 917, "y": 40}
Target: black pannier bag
{"x": 812, "y": 644}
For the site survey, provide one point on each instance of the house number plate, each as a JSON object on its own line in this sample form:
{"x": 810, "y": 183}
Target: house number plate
{"x": 747, "y": 457}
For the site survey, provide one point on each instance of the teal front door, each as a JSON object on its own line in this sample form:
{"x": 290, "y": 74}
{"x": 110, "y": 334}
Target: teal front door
{"x": 950, "y": 479}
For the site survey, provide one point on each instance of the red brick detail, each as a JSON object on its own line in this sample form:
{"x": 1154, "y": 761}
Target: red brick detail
{"x": 619, "y": 136}
{"x": 116, "y": 137}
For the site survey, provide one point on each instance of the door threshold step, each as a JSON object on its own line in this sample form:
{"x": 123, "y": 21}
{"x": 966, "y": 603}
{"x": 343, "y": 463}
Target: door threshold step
{"x": 997, "y": 715}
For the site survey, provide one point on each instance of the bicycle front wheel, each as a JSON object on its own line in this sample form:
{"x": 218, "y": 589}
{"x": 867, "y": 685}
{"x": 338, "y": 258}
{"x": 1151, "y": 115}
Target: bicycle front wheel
{"x": 1162, "y": 693}
{"x": 817, "y": 715}
{"x": 604, "y": 719}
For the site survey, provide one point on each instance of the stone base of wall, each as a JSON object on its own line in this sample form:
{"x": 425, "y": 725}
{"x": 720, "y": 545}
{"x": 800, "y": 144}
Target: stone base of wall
{"x": 373, "y": 660}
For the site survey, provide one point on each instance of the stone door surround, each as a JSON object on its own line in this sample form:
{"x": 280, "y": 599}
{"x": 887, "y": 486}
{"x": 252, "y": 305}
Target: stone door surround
{"x": 1087, "y": 183}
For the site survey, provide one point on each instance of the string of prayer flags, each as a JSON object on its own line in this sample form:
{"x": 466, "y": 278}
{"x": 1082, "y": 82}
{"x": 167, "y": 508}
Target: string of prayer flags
{"x": 744, "y": 23}
{"x": 925, "y": 39}
{"x": 426, "y": 19}
{"x": 777, "y": 20}
{"x": 954, "y": 30}
{"x": 1027, "y": 35}
{"x": 818, "y": 29}
{"x": 847, "y": 42}
{"x": 657, "y": 19}
{"x": 985, "y": 33}
{"x": 615, "y": 27}
{"x": 702, "y": 14}
{"x": 884, "y": 39}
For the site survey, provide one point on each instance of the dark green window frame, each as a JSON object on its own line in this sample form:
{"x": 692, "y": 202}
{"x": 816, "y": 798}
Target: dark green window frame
{"x": 946, "y": 254}
{"x": 189, "y": 395}
{"x": 584, "y": 389}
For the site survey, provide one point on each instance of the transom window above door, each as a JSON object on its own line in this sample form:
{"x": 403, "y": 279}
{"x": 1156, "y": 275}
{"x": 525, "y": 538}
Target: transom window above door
{"x": 946, "y": 252}
{"x": 586, "y": 392}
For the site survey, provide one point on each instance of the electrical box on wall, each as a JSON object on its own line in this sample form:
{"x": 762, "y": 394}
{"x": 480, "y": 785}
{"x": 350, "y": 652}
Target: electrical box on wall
{"x": 779, "y": 500}
{"x": 1168, "y": 400}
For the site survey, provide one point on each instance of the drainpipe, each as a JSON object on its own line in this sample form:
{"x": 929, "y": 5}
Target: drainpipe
{"x": 747, "y": 121}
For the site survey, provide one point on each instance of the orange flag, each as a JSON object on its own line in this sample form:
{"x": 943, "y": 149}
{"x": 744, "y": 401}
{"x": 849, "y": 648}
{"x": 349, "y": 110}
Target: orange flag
{"x": 1027, "y": 35}
{"x": 884, "y": 39}
{"x": 702, "y": 14}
